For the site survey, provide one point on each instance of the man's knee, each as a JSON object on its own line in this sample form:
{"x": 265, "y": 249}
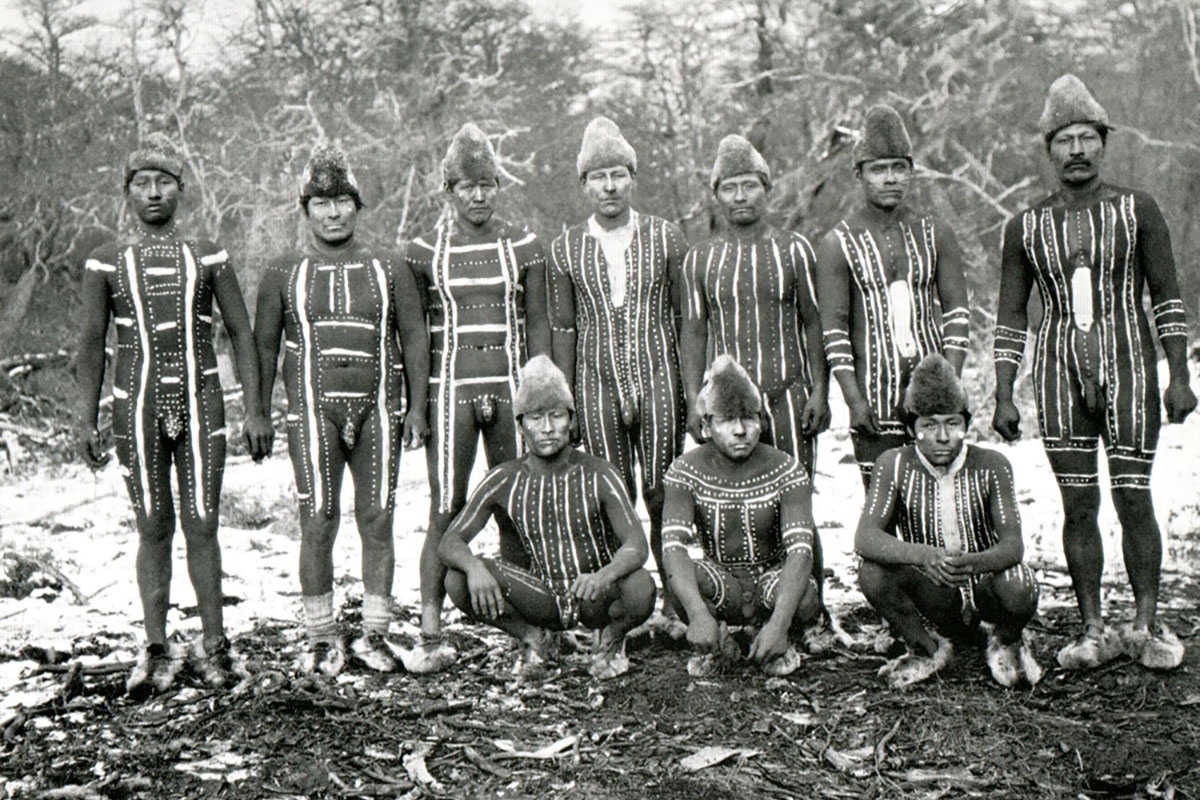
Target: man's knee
{"x": 637, "y": 593}
{"x": 455, "y": 583}
{"x": 318, "y": 531}
{"x": 199, "y": 531}
{"x": 1011, "y": 595}
{"x": 1135, "y": 508}
{"x": 1081, "y": 506}
{"x": 374, "y": 523}
{"x": 809, "y": 607}
{"x": 156, "y": 529}
{"x": 876, "y": 581}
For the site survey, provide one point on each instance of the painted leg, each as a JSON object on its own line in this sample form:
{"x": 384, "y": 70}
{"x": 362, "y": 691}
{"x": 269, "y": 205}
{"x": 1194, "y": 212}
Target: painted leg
{"x": 1146, "y": 640}
{"x": 1008, "y": 600}
{"x": 902, "y": 595}
{"x": 632, "y": 605}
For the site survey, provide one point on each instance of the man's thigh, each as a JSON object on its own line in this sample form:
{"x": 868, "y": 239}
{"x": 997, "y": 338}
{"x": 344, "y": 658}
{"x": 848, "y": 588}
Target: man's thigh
{"x": 941, "y": 605}
{"x": 375, "y": 460}
{"x": 785, "y": 412}
{"x": 314, "y": 446}
{"x": 531, "y": 598}
{"x": 1012, "y": 592}
{"x": 732, "y": 594}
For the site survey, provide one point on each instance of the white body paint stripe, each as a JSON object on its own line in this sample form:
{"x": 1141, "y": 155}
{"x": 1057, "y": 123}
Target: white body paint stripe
{"x": 124, "y": 322}
{"x": 120, "y": 393}
{"x": 385, "y": 424}
{"x": 170, "y": 379}
{"x": 98, "y": 266}
{"x": 337, "y": 323}
{"x": 161, "y": 271}
{"x": 341, "y": 395}
{"x": 310, "y": 401}
{"x": 189, "y": 344}
{"x": 343, "y": 351}
{"x": 166, "y": 326}
{"x": 214, "y": 258}
{"x": 139, "y": 405}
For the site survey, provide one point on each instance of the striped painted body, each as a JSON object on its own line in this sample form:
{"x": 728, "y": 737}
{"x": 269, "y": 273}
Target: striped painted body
{"x": 1125, "y": 245}
{"x": 343, "y": 372}
{"x": 626, "y": 356}
{"x": 475, "y": 296}
{"x": 167, "y": 400}
{"x": 753, "y": 295}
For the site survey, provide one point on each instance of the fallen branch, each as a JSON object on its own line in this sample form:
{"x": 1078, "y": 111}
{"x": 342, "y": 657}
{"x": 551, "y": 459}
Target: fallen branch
{"x": 89, "y": 670}
{"x": 50, "y": 569}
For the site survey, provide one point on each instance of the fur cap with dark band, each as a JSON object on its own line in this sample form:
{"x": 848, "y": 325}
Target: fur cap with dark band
{"x": 1068, "y": 101}
{"x": 156, "y": 152}
{"x": 933, "y": 388}
{"x": 328, "y": 175}
{"x": 470, "y": 157}
{"x": 736, "y": 156}
{"x": 883, "y": 136}
{"x": 543, "y": 387}
{"x": 728, "y": 391}
{"x": 603, "y": 146}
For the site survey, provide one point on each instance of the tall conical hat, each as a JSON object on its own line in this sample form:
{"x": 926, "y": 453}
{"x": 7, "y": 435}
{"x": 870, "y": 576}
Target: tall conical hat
{"x": 328, "y": 174}
{"x": 157, "y": 151}
{"x": 736, "y": 156}
{"x": 933, "y": 388}
{"x": 883, "y": 136}
{"x": 604, "y": 146}
{"x": 1068, "y": 101}
{"x": 728, "y": 390}
{"x": 470, "y": 157}
{"x": 543, "y": 387}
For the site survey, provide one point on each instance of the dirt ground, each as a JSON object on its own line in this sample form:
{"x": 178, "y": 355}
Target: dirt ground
{"x": 69, "y": 625}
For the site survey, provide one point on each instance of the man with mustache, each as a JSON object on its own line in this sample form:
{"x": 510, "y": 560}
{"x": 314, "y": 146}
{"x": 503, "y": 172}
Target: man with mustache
{"x": 879, "y": 273}
{"x": 483, "y": 285}
{"x": 580, "y": 537}
{"x": 352, "y": 322}
{"x": 615, "y": 308}
{"x": 940, "y": 539}
{"x": 168, "y": 407}
{"x": 1093, "y": 248}
{"x": 750, "y": 506}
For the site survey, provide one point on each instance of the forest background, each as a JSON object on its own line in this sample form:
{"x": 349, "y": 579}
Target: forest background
{"x": 391, "y": 80}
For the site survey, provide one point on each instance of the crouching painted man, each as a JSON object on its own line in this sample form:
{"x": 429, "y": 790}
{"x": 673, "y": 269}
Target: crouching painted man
{"x": 168, "y": 407}
{"x": 940, "y": 539}
{"x": 584, "y": 544}
{"x": 751, "y": 506}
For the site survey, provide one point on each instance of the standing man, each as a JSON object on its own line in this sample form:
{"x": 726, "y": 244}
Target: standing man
{"x": 614, "y": 306}
{"x": 1092, "y": 248}
{"x": 579, "y": 533}
{"x": 879, "y": 272}
{"x": 483, "y": 285}
{"x": 940, "y": 539}
{"x": 339, "y": 306}
{"x": 751, "y": 506}
{"x": 167, "y": 401}
{"x": 750, "y": 292}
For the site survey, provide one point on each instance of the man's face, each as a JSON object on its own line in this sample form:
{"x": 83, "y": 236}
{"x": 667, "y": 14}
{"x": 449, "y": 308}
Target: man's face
{"x": 333, "y": 219}
{"x": 547, "y": 431}
{"x": 734, "y": 437}
{"x": 940, "y": 437}
{"x": 154, "y": 196}
{"x": 742, "y": 198}
{"x": 885, "y": 181}
{"x": 474, "y": 201}
{"x": 609, "y": 190}
{"x": 1077, "y": 151}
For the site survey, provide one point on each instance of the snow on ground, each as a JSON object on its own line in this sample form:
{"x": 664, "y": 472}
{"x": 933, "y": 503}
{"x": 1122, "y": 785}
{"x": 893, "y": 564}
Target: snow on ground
{"x": 83, "y": 520}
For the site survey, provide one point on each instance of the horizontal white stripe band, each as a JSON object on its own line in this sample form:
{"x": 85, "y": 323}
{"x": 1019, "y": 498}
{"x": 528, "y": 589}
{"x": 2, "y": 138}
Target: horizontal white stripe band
{"x": 214, "y": 258}
{"x": 166, "y": 326}
{"x": 338, "y": 323}
{"x": 99, "y": 266}
{"x": 159, "y": 271}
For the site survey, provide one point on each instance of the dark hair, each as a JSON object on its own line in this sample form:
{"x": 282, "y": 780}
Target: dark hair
{"x": 1100, "y": 127}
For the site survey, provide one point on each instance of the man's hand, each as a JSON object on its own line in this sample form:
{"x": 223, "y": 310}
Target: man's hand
{"x": 1179, "y": 400}
{"x": 259, "y": 434}
{"x": 703, "y": 633}
{"x": 958, "y": 567}
{"x": 416, "y": 430}
{"x": 695, "y": 426}
{"x": 487, "y": 600}
{"x": 91, "y": 448}
{"x": 1007, "y": 419}
{"x": 771, "y": 642}
{"x": 591, "y": 585}
{"x": 937, "y": 569}
{"x": 863, "y": 419}
{"x": 816, "y": 416}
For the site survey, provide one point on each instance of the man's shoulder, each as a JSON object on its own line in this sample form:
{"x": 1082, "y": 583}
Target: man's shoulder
{"x": 106, "y": 253}
{"x": 903, "y": 454}
{"x": 986, "y": 457}
{"x": 591, "y": 463}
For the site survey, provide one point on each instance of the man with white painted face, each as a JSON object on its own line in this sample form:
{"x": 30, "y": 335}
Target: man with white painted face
{"x": 1093, "y": 249}
{"x": 615, "y": 313}
{"x": 580, "y": 537}
{"x": 940, "y": 539}
{"x": 168, "y": 407}
{"x": 881, "y": 275}
{"x": 482, "y": 282}
{"x": 750, "y": 506}
{"x": 353, "y": 327}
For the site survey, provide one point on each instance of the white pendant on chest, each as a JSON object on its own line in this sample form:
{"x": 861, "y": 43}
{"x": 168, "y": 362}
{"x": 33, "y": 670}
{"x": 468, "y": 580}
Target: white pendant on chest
{"x": 900, "y": 316}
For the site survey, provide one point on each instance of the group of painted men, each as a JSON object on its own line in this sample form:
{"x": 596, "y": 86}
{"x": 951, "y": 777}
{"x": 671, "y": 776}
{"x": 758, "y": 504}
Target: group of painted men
{"x": 622, "y": 340}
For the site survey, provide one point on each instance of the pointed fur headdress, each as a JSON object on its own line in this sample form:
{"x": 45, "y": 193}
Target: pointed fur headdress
{"x": 883, "y": 136}
{"x": 736, "y": 156}
{"x": 328, "y": 174}
{"x": 728, "y": 391}
{"x": 156, "y": 152}
{"x": 604, "y": 146}
{"x": 543, "y": 387}
{"x": 470, "y": 157}
{"x": 1068, "y": 101}
{"x": 933, "y": 388}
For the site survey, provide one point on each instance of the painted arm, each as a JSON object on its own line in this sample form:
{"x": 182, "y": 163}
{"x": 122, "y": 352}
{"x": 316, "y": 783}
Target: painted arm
{"x": 257, "y": 429}
{"x": 560, "y": 290}
{"x": 1016, "y": 282}
{"x": 633, "y": 550}
{"x": 268, "y": 327}
{"x": 693, "y": 338}
{"x": 537, "y": 320}
{"x": 1002, "y": 505}
{"x": 414, "y": 346}
{"x": 96, "y": 304}
{"x": 952, "y": 293}
{"x": 676, "y": 252}
{"x": 816, "y": 416}
{"x": 1170, "y": 319}
{"x": 678, "y": 532}
{"x": 833, "y": 287}
{"x": 454, "y": 550}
